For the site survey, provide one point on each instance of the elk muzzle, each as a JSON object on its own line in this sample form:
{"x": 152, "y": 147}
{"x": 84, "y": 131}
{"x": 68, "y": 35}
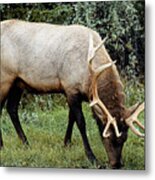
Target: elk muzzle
{"x": 114, "y": 152}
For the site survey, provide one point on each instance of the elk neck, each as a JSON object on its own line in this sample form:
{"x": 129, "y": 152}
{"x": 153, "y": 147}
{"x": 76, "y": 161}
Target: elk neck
{"x": 110, "y": 91}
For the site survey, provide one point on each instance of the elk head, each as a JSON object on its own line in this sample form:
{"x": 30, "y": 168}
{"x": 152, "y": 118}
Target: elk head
{"x": 113, "y": 130}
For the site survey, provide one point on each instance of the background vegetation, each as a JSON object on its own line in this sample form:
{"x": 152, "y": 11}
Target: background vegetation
{"x": 44, "y": 118}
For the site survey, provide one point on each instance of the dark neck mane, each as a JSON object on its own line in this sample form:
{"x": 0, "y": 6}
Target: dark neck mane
{"x": 111, "y": 93}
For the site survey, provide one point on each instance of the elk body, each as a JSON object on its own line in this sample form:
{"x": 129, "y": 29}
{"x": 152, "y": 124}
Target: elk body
{"x": 71, "y": 60}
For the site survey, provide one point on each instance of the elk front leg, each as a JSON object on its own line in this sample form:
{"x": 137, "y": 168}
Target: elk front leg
{"x": 76, "y": 112}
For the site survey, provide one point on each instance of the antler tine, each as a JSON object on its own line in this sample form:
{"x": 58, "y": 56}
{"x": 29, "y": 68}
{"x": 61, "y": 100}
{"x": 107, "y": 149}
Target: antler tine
{"x": 99, "y": 46}
{"x": 139, "y": 109}
{"x": 92, "y": 51}
{"x": 110, "y": 120}
{"x": 113, "y": 122}
{"x": 91, "y": 54}
{"x": 100, "y": 69}
{"x": 134, "y": 119}
{"x": 96, "y": 100}
{"x": 134, "y": 130}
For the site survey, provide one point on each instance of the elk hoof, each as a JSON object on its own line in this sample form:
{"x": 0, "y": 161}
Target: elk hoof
{"x": 67, "y": 143}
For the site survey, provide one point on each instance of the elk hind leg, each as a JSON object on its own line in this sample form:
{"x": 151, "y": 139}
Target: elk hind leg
{"x": 12, "y": 108}
{"x": 67, "y": 139}
{"x": 1, "y": 107}
{"x": 4, "y": 89}
{"x": 1, "y": 140}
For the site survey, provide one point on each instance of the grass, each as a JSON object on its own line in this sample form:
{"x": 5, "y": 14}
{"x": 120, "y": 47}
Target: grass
{"x": 45, "y": 130}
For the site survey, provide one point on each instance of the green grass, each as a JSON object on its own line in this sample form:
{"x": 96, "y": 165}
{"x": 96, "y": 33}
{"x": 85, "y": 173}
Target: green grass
{"x": 45, "y": 130}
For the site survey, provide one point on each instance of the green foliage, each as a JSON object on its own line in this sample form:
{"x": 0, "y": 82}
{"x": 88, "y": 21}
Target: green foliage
{"x": 123, "y": 23}
{"x": 132, "y": 96}
{"x": 46, "y": 149}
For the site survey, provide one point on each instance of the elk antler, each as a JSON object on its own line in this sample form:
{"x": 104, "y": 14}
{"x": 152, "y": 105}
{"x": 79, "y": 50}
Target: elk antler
{"x": 96, "y": 100}
{"x": 133, "y": 119}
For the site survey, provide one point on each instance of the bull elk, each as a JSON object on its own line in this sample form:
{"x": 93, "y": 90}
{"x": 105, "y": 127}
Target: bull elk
{"x": 71, "y": 60}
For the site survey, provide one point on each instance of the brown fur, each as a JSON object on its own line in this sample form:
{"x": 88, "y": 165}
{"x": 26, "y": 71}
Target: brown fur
{"x": 111, "y": 93}
{"x": 110, "y": 88}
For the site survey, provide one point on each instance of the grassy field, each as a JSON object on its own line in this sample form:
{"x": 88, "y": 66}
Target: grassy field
{"x": 45, "y": 129}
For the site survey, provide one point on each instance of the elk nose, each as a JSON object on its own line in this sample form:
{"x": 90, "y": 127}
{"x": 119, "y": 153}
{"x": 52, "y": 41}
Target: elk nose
{"x": 116, "y": 165}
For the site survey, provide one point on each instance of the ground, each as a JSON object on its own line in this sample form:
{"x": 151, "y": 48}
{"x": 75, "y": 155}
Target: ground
{"x": 45, "y": 127}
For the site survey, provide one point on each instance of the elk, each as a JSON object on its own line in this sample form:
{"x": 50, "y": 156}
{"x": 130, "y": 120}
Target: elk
{"x": 72, "y": 60}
